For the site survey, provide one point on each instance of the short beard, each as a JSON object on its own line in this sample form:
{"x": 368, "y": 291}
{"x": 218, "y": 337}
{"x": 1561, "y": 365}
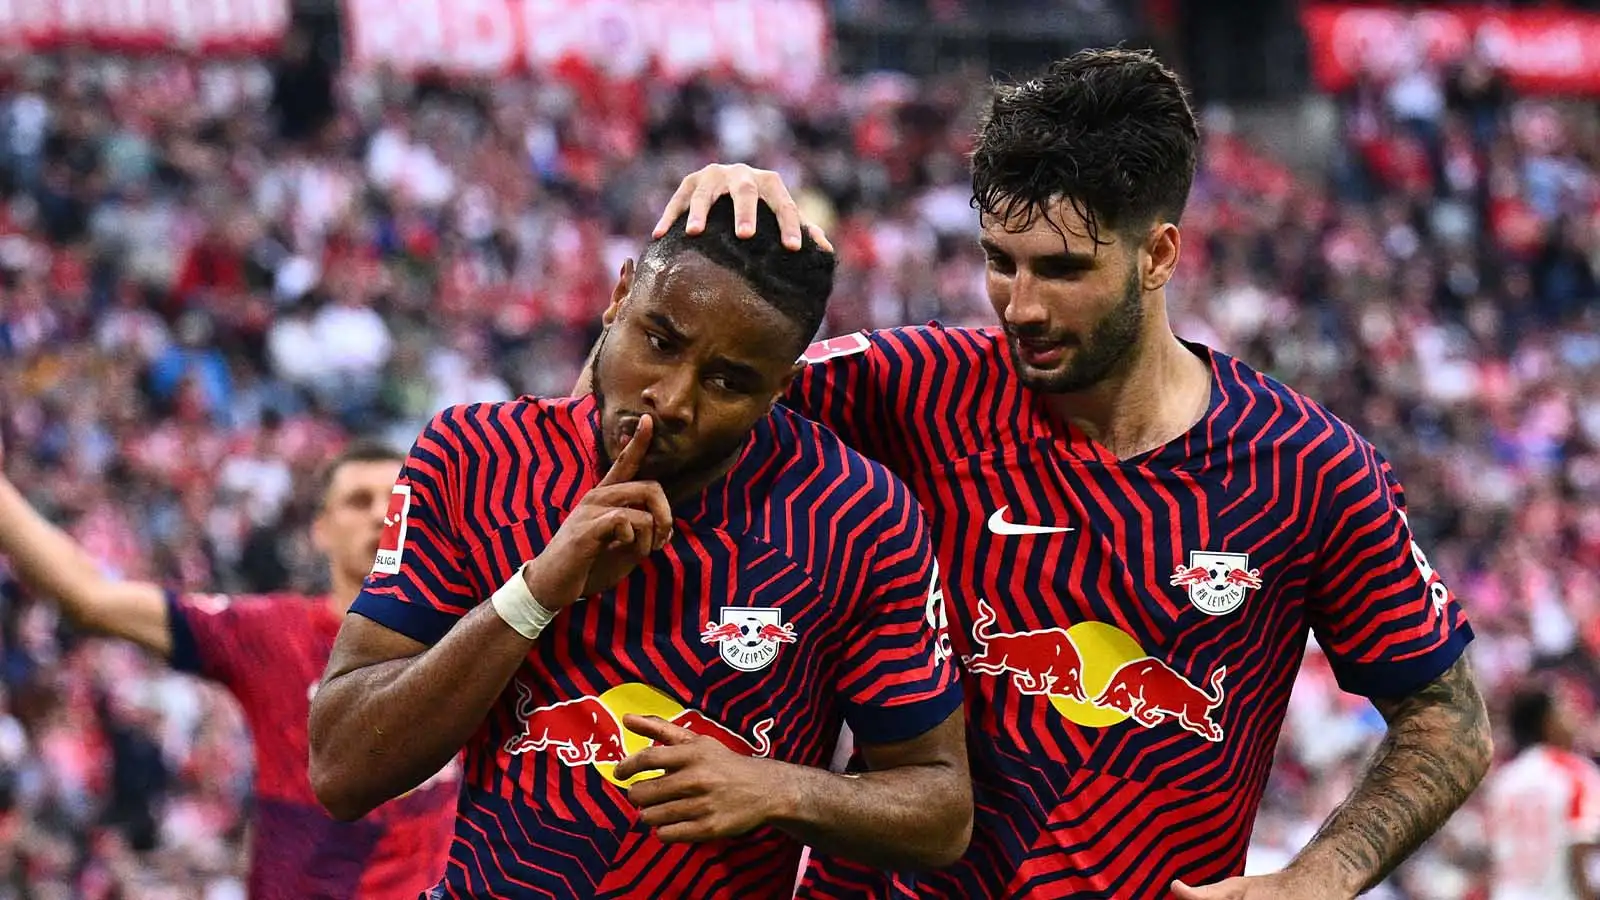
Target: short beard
{"x": 1112, "y": 344}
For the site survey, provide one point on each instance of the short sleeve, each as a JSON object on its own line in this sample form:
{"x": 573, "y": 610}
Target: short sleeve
{"x": 1383, "y": 616}
{"x": 418, "y": 586}
{"x": 898, "y": 681}
{"x": 222, "y": 638}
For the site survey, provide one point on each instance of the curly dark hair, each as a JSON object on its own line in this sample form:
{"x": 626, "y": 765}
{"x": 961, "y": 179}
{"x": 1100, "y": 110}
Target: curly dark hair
{"x": 796, "y": 282}
{"x": 1110, "y": 131}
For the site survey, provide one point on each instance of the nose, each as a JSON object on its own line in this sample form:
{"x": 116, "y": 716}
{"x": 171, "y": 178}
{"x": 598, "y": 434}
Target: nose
{"x": 1023, "y": 310}
{"x": 670, "y": 399}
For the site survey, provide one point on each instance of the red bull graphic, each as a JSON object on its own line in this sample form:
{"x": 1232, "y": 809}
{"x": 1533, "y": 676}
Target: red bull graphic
{"x": 698, "y": 722}
{"x": 1097, "y": 676}
{"x": 1217, "y": 583}
{"x": 1151, "y": 692}
{"x": 588, "y": 730}
{"x": 1037, "y": 660}
{"x": 748, "y": 637}
{"x": 581, "y": 731}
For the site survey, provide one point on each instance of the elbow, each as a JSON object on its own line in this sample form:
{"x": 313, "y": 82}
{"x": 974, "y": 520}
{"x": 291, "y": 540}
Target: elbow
{"x": 953, "y": 847}
{"x": 949, "y": 843}
{"x": 336, "y": 794}
{"x": 332, "y": 779}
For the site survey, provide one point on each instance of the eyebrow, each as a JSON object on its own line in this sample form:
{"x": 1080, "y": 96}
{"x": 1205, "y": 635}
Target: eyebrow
{"x": 1066, "y": 258}
{"x": 661, "y": 321}
{"x": 728, "y": 366}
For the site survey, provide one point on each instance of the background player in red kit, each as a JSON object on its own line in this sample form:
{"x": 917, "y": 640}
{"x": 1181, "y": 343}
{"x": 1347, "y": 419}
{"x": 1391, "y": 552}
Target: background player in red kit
{"x": 1137, "y": 534}
{"x": 784, "y": 585}
{"x": 268, "y": 652}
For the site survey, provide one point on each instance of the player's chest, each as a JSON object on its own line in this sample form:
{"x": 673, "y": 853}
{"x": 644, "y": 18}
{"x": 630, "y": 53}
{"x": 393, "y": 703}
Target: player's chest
{"x": 1033, "y": 541}
{"x": 707, "y": 606}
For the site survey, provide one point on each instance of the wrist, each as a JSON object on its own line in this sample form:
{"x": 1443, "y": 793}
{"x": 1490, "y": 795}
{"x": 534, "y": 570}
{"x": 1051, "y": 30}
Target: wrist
{"x": 546, "y": 597}
{"x": 784, "y": 797}
{"x": 1325, "y": 869}
{"x": 517, "y": 605}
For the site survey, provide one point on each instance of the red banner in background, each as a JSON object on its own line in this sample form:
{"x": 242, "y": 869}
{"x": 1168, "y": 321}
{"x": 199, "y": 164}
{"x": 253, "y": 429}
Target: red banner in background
{"x": 1540, "y": 50}
{"x": 765, "y": 40}
{"x": 185, "y": 26}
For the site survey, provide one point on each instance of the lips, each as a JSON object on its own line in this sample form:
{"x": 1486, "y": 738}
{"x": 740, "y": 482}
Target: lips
{"x": 1041, "y": 354}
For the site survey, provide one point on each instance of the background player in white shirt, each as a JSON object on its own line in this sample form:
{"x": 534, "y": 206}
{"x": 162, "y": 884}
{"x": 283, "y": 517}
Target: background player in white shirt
{"x": 1544, "y": 806}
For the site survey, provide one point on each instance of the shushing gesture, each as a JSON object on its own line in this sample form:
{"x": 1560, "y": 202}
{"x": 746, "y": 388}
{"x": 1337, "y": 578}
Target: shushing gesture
{"x": 612, "y": 529}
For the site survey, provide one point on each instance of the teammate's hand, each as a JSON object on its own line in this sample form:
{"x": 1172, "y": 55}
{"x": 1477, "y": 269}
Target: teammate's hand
{"x": 1284, "y": 885}
{"x": 612, "y": 529}
{"x": 701, "y": 189}
{"x": 707, "y": 792}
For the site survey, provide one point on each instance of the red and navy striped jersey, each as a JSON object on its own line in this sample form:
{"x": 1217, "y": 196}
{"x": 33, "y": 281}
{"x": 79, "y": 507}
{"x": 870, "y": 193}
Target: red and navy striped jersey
{"x": 793, "y": 597}
{"x": 270, "y": 652}
{"x": 1129, "y": 630}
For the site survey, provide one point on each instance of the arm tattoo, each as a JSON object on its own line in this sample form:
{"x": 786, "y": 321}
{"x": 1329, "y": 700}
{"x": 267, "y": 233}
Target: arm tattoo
{"x": 1437, "y": 749}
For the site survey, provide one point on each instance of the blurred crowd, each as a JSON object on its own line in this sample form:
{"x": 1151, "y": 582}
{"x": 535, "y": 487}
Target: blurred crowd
{"x": 212, "y": 274}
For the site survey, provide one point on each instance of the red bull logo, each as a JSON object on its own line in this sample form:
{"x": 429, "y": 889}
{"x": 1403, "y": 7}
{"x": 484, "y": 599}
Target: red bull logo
{"x": 588, "y": 730}
{"x": 698, "y": 722}
{"x": 1037, "y": 661}
{"x": 1217, "y": 583}
{"x": 1096, "y": 675}
{"x": 1151, "y": 692}
{"x": 580, "y": 731}
{"x": 748, "y": 637}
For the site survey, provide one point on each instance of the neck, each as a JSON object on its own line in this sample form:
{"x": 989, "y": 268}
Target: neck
{"x": 1158, "y": 395}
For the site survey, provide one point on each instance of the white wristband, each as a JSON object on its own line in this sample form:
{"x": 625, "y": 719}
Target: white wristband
{"x": 514, "y": 603}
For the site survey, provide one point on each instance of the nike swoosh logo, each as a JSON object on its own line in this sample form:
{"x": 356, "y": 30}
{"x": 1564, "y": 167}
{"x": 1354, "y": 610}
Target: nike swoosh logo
{"x": 999, "y": 525}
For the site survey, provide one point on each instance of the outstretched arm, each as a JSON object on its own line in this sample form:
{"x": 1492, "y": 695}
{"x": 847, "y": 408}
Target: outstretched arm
{"x": 48, "y": 561}
{"x": 1437, "y": 749}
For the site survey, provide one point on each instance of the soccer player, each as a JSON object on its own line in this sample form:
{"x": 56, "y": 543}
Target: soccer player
{"x": 269, "y": 653}
{"x": 1544, "y": 806}
{"x": 682, "y": 578}
{"x": 1137, "y": 533}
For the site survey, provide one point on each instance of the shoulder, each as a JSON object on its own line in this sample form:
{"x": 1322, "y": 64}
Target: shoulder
{"x": 1263, "y": 412}
{"x": 821, "y": 462}
{"x": 510, "y": 428}
{"x": 929, "y": 344}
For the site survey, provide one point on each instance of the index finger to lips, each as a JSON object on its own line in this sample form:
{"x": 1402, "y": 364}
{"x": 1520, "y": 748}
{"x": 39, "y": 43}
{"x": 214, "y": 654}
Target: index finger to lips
{"x": 627, "y": 463}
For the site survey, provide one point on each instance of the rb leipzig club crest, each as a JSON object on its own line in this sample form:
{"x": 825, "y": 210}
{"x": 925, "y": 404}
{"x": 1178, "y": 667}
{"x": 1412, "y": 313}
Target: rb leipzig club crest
{"x": 1217, "y": 582}
{"x": 748, "y": 637}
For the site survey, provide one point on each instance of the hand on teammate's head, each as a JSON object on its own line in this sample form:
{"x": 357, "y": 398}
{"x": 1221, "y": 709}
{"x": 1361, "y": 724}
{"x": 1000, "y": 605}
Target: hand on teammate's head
{"x": 749, "y": 187}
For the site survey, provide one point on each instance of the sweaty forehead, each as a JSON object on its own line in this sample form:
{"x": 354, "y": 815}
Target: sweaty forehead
{"x": 1060, "y": 229}
{"x": 713, "y": 307}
